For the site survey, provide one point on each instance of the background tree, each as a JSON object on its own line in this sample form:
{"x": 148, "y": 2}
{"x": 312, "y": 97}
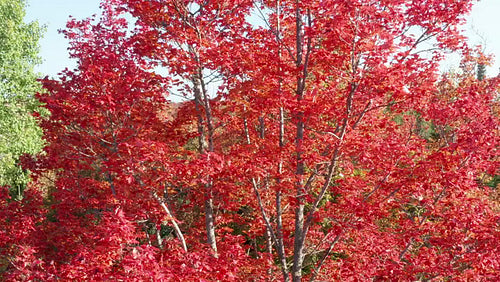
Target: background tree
{"x": 19, "y": 133}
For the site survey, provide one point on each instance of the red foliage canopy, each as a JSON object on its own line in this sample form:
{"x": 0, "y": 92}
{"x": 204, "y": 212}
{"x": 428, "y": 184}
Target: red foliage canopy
{"x": 317, "y": 140}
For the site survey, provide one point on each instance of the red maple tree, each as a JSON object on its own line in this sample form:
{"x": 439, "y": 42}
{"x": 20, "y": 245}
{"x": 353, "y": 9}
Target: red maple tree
{"x": 317, "y": 140}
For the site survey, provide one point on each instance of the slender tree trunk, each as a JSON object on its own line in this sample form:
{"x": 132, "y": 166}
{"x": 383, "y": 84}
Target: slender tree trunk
{"x": 210, "y": 224}
{"x": 298, "y": 243}
{"x": 177, "y": 230}
{"x": 268, "y": 235}
{"x": 245, "y": 126}
{"x": 280, "y": 246}
{"x": 202, "y": 105}
{"x": 208, "y": 111}
{"x": 279, "y": 221}
{"x": 279, "y": 240}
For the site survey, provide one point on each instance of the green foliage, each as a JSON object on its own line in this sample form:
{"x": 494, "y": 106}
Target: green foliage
{"x": 493, "y": 182}
{"x": 19, "y": 132}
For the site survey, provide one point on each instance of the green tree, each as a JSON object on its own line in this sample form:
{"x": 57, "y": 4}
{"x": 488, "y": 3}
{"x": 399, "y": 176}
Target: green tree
{"x": 19, "y": 132}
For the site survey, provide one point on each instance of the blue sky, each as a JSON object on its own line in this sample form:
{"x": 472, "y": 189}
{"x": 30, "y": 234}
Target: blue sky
{"x": 482, "y": 28}
{"x": 54, "y": 14}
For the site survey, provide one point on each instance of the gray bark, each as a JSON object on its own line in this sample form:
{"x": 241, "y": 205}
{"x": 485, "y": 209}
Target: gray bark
{"x": 202, "y": 104}
{"x": 177, "y": 230}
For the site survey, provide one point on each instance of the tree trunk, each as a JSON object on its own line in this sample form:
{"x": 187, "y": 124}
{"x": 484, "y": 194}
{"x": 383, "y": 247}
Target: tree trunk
{"x": 201, "y": 104}
{"x": 177, "y": 230}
